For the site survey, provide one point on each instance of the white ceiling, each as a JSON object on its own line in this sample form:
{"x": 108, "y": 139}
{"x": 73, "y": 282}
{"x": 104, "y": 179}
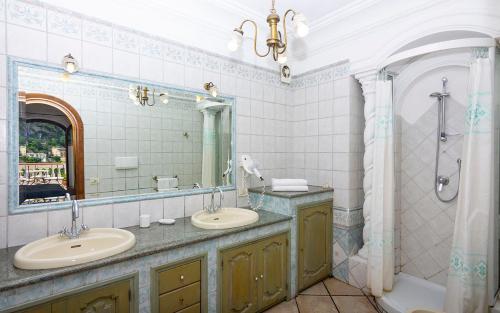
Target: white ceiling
{"x": 313, "y": 9}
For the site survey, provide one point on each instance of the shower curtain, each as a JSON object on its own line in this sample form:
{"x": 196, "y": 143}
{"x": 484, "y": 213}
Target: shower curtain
{"x": 380, "y": 268}
{"x": 466, "y": 290}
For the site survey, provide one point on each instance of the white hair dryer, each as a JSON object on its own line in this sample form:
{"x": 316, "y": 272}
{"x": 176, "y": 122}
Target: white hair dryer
{"x": 250, "y": 166}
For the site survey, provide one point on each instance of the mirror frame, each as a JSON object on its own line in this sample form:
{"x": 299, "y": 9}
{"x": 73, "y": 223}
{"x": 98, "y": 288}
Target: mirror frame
{"x": 13, "y": 141}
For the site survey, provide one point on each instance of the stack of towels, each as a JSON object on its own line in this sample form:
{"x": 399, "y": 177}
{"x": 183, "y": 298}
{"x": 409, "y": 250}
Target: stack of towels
{"x": 289, "y": 185}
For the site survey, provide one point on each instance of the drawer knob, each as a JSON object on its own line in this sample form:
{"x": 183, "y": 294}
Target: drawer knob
{"x": 181, "y": 277}
{"x": 261, "y": 276}
{"x": 181, "y": 300}
{"x": 256, "y": 278}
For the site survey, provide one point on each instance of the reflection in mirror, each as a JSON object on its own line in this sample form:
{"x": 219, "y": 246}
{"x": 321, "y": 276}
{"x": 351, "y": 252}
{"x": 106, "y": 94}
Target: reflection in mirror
{"x": 93, "y": 136}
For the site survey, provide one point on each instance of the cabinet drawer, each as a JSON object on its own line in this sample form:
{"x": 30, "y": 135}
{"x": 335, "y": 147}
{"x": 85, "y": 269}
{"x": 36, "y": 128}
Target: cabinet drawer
{"x": 192, "y": 309}
{"x": 179, "y": 299}
{"x": 179, "y": 276}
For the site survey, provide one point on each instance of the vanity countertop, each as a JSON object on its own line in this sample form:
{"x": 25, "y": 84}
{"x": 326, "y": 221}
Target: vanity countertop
{"x": 150, "y": 240}
{"x": 291, "y": 194}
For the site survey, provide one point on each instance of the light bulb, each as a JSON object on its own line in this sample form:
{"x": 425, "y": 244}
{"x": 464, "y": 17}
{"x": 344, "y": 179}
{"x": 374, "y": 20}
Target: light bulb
{"x": 300, "y": 26}
{"x": 213, "y": 91}
{"x": 236, "y": 39}
{"x": 164, "y": 97}
{"x": 282, "y": 58}
{"x": 70, "y": 67}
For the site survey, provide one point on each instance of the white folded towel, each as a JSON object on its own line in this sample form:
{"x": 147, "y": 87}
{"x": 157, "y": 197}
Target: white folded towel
{"x": 288, "y": 182}
{"x": 290, "y": 188}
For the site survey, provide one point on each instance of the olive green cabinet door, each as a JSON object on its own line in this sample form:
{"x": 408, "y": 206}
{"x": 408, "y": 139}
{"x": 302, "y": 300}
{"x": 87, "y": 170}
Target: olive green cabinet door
{"x": 314, "y": 244}
{"x": 239, "y": 275}
{"x": 113, "y": 298}
{"x": 44, "y": 308}
{"x": 273, "y": 268}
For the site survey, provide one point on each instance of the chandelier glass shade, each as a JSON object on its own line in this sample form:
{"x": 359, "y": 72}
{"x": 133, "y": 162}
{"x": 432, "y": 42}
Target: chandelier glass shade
{"x": 277, "y": 43}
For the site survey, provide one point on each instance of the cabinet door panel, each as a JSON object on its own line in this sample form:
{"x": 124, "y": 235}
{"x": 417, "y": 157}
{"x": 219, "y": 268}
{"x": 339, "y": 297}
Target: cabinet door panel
{"x": 112, "y": 298}
{"x": 239, "y": 294}
{"x": 43, "y": 308}
{"x": 315, "y": 234}
{"x": 272, "y": 270}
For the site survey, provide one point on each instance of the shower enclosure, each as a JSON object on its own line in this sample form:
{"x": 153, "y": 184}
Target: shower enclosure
{"x": 430, "y": 132}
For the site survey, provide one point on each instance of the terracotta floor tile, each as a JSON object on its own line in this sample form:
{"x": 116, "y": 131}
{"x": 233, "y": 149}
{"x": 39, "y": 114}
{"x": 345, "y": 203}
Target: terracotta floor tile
{"x": 317, "y": 290}
{"x": 284, "y": 307}
{"x": 354, "y": 304}
{"x": 339, "y": 288}
{"x": 315, "y": 304}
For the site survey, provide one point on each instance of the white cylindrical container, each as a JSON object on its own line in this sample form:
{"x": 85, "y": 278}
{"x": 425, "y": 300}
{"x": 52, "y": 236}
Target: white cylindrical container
{"x": 144, "y": 221}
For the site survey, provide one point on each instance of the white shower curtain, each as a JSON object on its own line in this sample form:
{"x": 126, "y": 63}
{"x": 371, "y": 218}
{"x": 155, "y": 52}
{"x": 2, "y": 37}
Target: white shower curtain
{"x": 466, "y": 290}
{"x": 381, "y": 249}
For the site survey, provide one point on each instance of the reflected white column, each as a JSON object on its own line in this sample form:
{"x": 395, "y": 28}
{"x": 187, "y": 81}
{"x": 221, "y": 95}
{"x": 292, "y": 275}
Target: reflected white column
{"x": 208, "y": 159}
{"x": 367, "y": 80}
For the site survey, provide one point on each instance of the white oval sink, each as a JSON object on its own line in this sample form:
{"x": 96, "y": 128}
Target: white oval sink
{"x": 56, "y": 251}
{"x": 224, "y": 218}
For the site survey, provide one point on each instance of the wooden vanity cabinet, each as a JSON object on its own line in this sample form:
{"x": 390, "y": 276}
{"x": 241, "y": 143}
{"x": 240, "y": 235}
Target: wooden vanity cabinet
{"x": 314, "y": 244}
{"x": 115, "y": 297}
{"x": 254, "y": 275}
{"x": 179, "y": 287}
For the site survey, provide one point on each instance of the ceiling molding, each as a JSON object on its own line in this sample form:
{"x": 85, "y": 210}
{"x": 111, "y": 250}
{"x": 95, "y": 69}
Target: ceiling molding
{"x": 342, "y": 13}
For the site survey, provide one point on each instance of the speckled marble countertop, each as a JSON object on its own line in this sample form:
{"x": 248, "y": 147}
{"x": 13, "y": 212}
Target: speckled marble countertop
{"x": 151, "y": 240}
{"x": 291, "y": 194}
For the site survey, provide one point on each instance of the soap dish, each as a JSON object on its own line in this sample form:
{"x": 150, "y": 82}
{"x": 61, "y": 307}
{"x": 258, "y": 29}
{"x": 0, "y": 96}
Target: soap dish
{"x": 166, "y": 221}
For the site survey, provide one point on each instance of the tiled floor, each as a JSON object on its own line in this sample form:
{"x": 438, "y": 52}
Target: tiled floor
{"x": 328, "y": 296}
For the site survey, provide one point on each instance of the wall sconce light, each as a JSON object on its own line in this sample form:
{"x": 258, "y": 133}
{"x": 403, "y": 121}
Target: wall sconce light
{"x": 211, "y": 88}
{"x": 69, "y": 64}
{"x": 164, "y": 97}
{"x": 140, "y": 95}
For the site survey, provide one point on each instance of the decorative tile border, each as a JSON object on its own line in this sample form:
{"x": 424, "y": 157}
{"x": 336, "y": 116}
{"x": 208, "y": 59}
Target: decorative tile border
{"x": 348, "y": 218}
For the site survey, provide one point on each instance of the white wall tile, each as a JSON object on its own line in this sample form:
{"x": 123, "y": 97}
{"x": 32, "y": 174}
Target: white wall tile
{"x": 173, "y": 207}
{"x": 3, "y": 232}
{"x": 96, "y": 57}
{"x": 151, "y": 69}
{"x": 59, "y": 219}
{"x": 98, "y": 216}
{"x": 126, "y": 214}
{"x": 154, "y": 208}
{"x": 59, "y": 46}
{"x": 125, "y": 63}
{"x": 19, "y": 38}
{"x": 193, "y": 204}
{"x": 24, "y": 228}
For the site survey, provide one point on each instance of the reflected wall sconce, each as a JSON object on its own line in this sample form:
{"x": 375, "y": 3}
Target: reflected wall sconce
{"x": 69, "y": 64}
{"x": 140, "y": 95}
{"x": 211, "y": 89}
{"x": 276, "y": 42}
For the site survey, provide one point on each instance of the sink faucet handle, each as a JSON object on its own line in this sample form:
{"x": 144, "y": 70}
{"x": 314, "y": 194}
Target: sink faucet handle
{"x": 85, "y": 227}
{"x": 67, "y": 197}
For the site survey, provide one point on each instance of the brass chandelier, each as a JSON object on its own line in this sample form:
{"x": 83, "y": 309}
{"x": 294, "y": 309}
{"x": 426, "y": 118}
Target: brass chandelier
{"x": 276, "y": 43}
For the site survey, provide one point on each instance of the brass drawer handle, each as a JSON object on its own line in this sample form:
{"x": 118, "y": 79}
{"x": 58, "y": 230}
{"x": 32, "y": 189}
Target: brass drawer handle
{"x": 181, "y": 278}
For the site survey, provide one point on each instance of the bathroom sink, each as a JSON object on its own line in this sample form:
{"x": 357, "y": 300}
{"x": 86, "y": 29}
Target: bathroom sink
{"x": 224, "y": 218}
{"x": 56, "y": 251}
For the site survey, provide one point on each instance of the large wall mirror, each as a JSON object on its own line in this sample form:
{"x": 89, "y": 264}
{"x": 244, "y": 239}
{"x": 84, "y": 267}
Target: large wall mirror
{"x": 108, "y": 139}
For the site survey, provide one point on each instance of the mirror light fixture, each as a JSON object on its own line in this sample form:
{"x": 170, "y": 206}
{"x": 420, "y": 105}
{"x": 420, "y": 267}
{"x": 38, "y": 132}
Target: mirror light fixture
{"x": 69, "y": 64}
{"x": 211, "y": 88}
{"x": 276, "y": 43}
{"x": 140, "y": 95}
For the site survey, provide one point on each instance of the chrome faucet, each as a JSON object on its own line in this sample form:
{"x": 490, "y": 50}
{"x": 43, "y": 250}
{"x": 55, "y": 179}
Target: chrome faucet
{"x": 212, "y": 208}
{"x": 74, "y": 232}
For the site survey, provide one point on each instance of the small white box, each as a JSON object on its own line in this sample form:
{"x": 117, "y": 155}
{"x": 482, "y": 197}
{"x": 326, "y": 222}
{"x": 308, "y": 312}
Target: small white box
{"x": 125, "y": 163}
